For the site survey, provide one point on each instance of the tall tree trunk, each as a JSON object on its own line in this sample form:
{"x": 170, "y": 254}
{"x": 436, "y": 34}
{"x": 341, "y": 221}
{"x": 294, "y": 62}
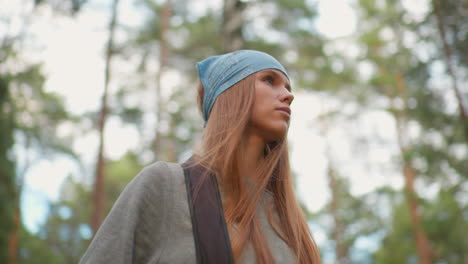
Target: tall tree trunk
{"x": 340, "y": 249}
{"x": 13, "y": 244}
{"x": 158, "y": 146}
{"x": 7, "y": 167}
{"x": 8, "y": 195}
{"x": 98, "y": 194}
{"x": 448, "y": 62}
{"x": 423, "y": 248}
{"x": 171, "y": 152}
{"x": 232, "y": 25}
{"x": 14, "y": 236}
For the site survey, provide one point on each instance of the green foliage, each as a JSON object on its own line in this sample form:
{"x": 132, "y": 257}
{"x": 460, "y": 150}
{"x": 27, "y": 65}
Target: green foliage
{"x": 35, "y": 250}
{"x": 348, "y": 218}
{"x": 65, "y": 235}
{"x": 119, "y": 174}
{"x": 8, "y": 189}
{"x": 150, "y": 30}
{"x": 398, "y": 246}
{"x": 436, "y": 153}
{"x": 444, "y": 218}
{"x": 292, "y": 38}
{"x": 294, "y": 16}
{"x": 69, "y": 7}
{"x": 203, "y": 34}
{"x": 38, "y": 113}
{"x": 28, "y": 120}
{"x": 455, "y": 20}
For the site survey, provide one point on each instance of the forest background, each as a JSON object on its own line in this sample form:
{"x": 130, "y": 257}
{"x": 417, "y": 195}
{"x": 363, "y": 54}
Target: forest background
{"x": 91, "y": 91}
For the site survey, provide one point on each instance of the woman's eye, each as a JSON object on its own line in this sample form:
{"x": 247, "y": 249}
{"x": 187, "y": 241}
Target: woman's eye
{"x": 269, "y": 79}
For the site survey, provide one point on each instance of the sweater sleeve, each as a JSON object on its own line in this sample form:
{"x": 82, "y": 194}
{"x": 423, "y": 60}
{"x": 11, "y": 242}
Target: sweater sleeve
{"x": 134, "y": 229}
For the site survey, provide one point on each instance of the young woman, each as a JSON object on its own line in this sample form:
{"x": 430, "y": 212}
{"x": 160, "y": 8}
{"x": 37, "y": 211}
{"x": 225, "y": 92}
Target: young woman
{"x": 245, "y": 99}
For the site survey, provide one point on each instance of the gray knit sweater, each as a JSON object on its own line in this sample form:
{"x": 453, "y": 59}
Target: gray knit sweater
{"x": 150, "y": 223}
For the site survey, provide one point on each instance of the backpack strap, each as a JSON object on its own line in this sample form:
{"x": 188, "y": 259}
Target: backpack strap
{"x": 210, "y": 232}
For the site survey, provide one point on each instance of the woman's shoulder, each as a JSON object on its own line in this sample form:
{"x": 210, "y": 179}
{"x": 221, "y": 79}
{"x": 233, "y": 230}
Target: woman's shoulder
{"x": 141, "y": 218}
{"x": 155, "y": 181}
{"x": 160, "y": 169}
{"x": 158, "y": 176}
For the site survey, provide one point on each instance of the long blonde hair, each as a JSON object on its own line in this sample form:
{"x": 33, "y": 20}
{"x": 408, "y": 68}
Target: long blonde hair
{"x": 221, "y": 152}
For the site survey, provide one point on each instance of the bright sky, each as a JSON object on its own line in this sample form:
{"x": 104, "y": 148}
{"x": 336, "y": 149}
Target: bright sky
{"x": 76, "y": 72}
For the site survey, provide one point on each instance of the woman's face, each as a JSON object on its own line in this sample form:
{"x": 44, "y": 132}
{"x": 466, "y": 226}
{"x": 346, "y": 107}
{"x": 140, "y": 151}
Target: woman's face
{"x": 271, "y": 112}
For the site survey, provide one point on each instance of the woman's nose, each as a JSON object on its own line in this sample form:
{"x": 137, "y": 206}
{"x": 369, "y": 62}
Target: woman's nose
{"x": 287, "y": 96}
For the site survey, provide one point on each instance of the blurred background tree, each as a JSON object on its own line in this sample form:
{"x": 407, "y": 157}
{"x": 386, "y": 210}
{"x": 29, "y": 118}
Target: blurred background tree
{"x": 28, "y": 122}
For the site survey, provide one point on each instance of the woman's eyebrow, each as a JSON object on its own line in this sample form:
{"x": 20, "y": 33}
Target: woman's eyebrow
{"x": 285, "y": 79}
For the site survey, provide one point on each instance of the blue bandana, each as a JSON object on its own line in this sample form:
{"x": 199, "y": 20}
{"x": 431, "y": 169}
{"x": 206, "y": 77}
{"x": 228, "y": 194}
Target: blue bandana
{"x": 219, "y": 73}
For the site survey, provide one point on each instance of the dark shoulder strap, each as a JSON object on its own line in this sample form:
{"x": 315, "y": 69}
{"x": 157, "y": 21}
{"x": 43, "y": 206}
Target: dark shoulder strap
{"x": 210, "y": 232}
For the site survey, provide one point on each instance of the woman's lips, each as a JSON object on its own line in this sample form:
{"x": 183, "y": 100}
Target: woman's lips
{"x": 286, "y": 110}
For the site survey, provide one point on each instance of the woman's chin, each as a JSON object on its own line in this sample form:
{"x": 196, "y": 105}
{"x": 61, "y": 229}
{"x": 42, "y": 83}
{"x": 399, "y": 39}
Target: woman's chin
{"x": 276, "y": 134}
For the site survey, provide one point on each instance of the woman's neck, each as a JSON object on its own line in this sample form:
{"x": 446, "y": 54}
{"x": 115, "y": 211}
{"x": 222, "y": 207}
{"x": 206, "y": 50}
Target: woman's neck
{"x": 252, "y": 156}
